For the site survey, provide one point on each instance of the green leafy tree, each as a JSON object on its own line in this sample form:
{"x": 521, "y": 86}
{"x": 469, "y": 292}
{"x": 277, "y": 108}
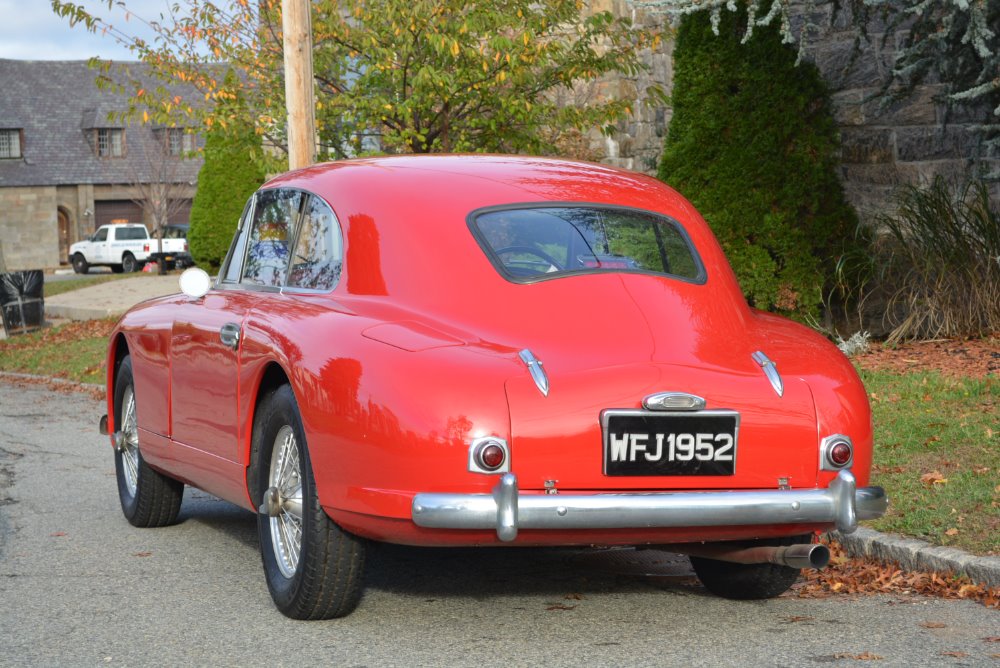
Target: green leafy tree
{"x": 414, "y": 75}
{"x": 753, "y": 144}
{"x": 230, "y": 174}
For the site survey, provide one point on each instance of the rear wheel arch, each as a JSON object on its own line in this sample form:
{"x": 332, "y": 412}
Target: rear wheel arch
{"x": 119, "y": 351}
{"x": 273, "y": 377}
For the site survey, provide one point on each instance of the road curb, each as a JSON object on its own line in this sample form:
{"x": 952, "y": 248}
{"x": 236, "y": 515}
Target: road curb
{"x": 80, "y": 312}
{"x": 912, "y": 554}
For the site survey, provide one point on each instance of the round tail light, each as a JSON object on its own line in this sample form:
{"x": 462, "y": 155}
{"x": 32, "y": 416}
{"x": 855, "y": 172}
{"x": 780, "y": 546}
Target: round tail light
{"x": 490, "y": 455}
{"x": 839, "y": 452}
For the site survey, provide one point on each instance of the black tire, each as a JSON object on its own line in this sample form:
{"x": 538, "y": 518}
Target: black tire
{"x": 129, "y": 263}
{"x": 80, "y": 264}
{"x": 148, "y": 498}
{"x": 116, "y": 269}
{"x": 325, "y": 579}
{"x": 747, "y": 582}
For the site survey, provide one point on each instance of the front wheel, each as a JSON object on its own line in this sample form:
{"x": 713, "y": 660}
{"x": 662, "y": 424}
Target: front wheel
{"x": 314, "y": 569}
{"x": 148, "y": 498}
{"x": 746, "y": 582}
{"x": 80, "y": 264}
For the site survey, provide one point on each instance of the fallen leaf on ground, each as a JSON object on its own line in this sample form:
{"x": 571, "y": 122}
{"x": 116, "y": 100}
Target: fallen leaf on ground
{"x": 958, "y": 655}
{"x": 58, "y": 534}
{"x": 991, "y": 639}
{"x": 573, "y": 597}
{"x": 864, "y": 656}
{"x": 142, "y": 554}
{"x": 933, "y": 478}
{"x": 933, "y": 625}
{"x": 951, "y": 532}
{"x": 855, "y": 575}
{"x": 799, "y": 618}
{"x": 560, "y": 606}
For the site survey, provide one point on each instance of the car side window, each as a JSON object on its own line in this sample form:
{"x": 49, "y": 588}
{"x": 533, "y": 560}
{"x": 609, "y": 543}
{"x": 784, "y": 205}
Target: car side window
{"x": 319, "y": 251}
{"x": 270, "y": 237}
{"x": 102, "y": 234}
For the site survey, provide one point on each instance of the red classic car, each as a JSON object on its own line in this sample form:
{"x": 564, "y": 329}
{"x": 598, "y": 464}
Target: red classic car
{"x": 473, "y": 350}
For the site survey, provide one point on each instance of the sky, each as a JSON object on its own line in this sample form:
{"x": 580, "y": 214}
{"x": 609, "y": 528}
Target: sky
{"x": 30, "y": 30}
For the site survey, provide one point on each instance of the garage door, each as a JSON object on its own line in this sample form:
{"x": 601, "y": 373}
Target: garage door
{"x": 116, "y": 211}
{"x": 182, "y": 214}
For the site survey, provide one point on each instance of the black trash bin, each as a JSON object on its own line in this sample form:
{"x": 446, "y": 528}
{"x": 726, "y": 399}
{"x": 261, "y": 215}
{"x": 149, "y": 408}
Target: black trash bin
{"x": 22, "y": 303}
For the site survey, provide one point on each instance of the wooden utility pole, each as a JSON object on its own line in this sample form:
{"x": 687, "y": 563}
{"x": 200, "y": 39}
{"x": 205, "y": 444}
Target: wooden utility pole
{"x": 296, "y": 26}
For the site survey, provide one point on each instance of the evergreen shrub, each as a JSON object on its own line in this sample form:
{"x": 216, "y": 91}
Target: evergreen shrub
{"x": 231, "y": 173}
{"x": 752, "y": 143}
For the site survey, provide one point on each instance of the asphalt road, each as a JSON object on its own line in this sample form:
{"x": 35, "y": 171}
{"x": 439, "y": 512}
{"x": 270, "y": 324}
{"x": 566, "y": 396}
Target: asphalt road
{"x": 79, "y": 586}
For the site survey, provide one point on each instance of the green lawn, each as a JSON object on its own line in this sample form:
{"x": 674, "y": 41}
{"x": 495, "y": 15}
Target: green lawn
{"x": 74, "y": 351}
{"x": 937, "y": 453}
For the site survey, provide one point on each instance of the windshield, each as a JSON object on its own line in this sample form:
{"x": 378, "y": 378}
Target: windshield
{"x": 529, "y": 244}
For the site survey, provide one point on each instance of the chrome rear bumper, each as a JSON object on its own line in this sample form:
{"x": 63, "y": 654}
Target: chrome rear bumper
{"x": 507, "y": 511}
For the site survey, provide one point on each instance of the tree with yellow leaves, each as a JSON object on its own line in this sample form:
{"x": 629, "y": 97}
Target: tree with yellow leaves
{"x": 394, "y": 75}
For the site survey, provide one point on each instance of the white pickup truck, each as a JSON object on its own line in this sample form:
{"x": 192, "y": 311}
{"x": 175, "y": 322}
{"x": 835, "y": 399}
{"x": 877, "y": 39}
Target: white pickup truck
{"x": 125, "y": 248}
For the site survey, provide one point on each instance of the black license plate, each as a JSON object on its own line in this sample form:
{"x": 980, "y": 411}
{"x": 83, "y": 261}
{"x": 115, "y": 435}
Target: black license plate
{"x": 669, "y": 444}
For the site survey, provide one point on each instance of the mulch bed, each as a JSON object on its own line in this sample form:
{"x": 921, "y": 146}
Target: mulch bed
{"x": 975, "y": 358}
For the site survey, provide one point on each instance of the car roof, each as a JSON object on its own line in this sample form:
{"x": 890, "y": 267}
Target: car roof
{"x": 405, "y": 217}
{"x": 489, "y": 179}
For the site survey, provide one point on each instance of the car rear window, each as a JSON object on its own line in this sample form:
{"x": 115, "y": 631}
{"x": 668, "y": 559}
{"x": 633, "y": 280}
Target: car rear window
{"x": 533, "y": 243}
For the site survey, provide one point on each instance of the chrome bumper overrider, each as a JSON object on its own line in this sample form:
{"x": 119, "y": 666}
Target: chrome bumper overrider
{"x": 507, "y": 511}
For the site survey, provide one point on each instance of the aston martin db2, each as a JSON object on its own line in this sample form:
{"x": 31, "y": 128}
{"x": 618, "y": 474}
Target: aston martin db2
{"x": 475, "y": 350}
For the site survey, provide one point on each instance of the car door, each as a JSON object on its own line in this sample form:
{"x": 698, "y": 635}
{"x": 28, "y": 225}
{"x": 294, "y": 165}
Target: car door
{"x": 100, "y": 244}
{"x": 208, "y": 332}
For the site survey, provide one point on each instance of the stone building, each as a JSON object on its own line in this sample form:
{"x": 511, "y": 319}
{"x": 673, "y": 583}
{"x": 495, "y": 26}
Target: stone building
{"x": 66, "y": 168}
{"x": 882, "y": 147}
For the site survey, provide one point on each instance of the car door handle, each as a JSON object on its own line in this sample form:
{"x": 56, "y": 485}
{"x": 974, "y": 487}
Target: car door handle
{"x": 230, "y": 335}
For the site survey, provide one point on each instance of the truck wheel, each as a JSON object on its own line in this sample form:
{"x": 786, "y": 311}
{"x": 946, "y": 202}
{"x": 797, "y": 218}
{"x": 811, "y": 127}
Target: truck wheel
{"x": 747, "y": 582}
{"x": 314, "y": 569}
{"x": 129, "y": 263}
{"x": 80, "y": 265}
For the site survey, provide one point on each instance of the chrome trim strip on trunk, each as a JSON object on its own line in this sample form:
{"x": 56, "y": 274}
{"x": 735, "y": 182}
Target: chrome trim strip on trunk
{"x": 507, "y": 511}
{"x": 771, "y": 371}
{"x": 535, "y": 369}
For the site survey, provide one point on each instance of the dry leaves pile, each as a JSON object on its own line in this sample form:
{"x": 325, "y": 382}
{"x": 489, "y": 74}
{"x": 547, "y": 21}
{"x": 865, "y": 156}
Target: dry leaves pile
{"x": 850, "y": 575}
{"x": 68, "y": 333}
{"x": 976, "y": 358}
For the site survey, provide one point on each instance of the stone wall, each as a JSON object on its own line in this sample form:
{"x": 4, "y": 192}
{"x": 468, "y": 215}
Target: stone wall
{"x": 29, "y": 228}
{"x": 883, "y": 146}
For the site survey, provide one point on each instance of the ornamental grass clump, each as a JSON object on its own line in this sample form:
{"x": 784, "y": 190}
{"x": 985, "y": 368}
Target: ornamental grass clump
{"x": 936, "y": 262}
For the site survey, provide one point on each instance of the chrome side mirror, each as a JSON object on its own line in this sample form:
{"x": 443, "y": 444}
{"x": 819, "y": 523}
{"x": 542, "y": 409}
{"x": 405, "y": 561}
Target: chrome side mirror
{"x": 195, "y": 282}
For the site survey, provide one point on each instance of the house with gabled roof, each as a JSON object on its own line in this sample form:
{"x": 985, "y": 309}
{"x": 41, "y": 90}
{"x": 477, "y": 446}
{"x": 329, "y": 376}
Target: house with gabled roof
{"x": 69, "y": 164}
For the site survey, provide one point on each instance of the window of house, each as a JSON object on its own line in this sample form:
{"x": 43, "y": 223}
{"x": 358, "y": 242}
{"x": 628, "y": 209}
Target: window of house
{"x": 179, "y": 142}
{"x": 10, "y": 144}
{"x": 110, "y": 142}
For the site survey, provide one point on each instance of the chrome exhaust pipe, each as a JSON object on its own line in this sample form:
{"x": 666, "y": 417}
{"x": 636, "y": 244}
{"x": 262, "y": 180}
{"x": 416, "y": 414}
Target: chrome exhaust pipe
{"x": 805, "y": 555}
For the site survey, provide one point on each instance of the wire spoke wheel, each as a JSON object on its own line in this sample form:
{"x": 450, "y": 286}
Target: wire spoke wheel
{"x": 286, "y": 476}
{"x": 313, "y": 568}
{"x": 148, "y": 497}
{"x": 130, "y": 442}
